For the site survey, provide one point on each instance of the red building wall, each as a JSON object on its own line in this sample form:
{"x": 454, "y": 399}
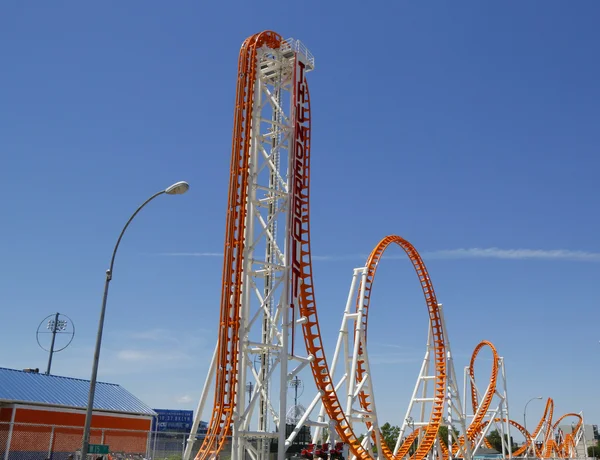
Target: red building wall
{"x": 62, "y": 430}
{"x": 5, "y": 415}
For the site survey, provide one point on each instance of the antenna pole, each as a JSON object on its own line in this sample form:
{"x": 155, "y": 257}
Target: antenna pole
{"x": 54, "y": 327}
{"x": 249, "y": 387}
{"x": 296, "y": 383}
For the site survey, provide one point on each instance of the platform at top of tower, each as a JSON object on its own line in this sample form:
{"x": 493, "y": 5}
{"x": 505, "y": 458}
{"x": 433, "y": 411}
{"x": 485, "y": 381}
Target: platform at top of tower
{"x": 292, "y": 45}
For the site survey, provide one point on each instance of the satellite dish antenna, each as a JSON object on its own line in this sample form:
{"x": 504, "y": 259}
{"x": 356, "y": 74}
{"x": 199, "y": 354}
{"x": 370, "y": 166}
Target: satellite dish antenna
{"x": 59, "y": 330}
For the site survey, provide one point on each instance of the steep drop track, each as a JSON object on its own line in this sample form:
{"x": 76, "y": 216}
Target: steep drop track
{"x": 229, "y": 322}
{"x": 219, "y": 426}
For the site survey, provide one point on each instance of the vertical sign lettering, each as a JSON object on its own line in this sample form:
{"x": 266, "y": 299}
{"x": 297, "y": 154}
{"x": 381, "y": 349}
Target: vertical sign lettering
{"x": 299, "y": 151}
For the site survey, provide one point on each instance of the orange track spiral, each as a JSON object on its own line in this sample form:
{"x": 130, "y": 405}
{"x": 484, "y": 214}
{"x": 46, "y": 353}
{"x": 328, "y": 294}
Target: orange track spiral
{"x": 480, "y": 411}
{"x": 568, "y": 443}
{"x": 482, "y": 427}
{"x": 550, "y": 446}
{"x": 431, "y": 429}
{"x": 545, "y": 420}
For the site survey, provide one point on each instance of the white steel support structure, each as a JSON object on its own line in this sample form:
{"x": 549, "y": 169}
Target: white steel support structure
{"x": 350, "y": 347}
{"x": 455, "y": 417}
{"x": 351, "y": 339}
{"x": 416, "y": 413}
{"x": 264, "y": 352}
{"x": 580, "y": 437}
{"x": 498, "y": 417}
{"x": 266, "y": 317}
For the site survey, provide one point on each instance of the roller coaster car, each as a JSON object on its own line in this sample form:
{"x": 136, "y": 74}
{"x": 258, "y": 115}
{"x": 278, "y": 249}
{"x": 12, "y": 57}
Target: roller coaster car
{"x": 337, "y": 451}
{"x": 308, "y": 452}
{"x": 323, "y": 451}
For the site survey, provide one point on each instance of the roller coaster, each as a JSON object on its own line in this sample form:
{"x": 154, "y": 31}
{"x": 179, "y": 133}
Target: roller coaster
{"x": 268, "y": 302}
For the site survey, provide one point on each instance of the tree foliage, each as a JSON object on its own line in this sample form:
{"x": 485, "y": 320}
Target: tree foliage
{"x": 390, "y": 434}
{"x": 496, "y": 441}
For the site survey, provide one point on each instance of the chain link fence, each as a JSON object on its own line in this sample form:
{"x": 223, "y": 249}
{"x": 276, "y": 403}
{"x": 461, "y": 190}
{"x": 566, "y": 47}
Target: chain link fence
{"x": 30, "y": 441}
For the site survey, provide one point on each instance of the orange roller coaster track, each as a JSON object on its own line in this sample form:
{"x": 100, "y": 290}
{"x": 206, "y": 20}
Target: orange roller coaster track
{"x": 431, "y": 430}
{"x": 480, "y": 410}
{"x": 269, "y": 189}
{"x": 565, "y": 448}
{"x": 229, "y": 322}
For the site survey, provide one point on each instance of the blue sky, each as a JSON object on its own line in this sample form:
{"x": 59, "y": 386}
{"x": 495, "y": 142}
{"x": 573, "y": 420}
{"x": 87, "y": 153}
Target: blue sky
{"x": 470, "y": 128}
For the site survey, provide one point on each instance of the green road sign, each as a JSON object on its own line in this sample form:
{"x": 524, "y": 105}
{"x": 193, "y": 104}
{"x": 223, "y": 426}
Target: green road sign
{"x": 98, "y": 449}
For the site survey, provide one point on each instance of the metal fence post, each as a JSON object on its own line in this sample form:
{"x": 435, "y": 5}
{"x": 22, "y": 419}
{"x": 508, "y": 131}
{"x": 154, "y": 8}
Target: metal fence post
{"x": 155, "y": 433}
{"x": 51, "y": 443}
{"x": 148, "y": 441}
{"x": 10, "y": 433}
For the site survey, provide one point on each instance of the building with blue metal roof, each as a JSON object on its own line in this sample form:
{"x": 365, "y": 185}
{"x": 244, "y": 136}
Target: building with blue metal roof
{"x": 52, "y": 390}
{"x": 44, "y": 414}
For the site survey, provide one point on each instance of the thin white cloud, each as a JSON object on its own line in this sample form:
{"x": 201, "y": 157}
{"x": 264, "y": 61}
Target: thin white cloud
{"x": 185, "y": 399}
{"x": 133, "y": 355}
{"x": 461, "y": 253}
{"x": 521, "y": 254}
{"x": 191, "y": 254}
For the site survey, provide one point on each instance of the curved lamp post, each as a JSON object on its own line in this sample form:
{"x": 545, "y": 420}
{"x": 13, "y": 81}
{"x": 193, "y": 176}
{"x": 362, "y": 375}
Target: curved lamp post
{"x": 178, "y": 188}
{"x": 525, "y": 422}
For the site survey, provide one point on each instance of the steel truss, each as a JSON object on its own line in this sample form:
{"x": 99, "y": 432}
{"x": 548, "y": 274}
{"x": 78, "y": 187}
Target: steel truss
{"x": 415, "y": 417}
{"x": 483, "y": 416}
{"x": 350, "y": 347}
{"x": 265, "y": 351}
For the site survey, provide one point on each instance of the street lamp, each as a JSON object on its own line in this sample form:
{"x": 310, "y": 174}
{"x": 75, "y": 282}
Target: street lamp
{"x": 178, "y": 188}
{"x": 525, "y": 422}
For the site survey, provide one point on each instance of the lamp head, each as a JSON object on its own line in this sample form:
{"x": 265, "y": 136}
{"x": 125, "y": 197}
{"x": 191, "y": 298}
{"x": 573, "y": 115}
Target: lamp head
{"x": 178, "y": 188}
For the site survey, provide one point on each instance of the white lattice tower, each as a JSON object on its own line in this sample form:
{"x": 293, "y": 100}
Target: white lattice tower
{"x": 580, "y": 441}
{"x": 416, "y": 412}
{"x": 351, "y": 341}
{"x": 265, "y": 353}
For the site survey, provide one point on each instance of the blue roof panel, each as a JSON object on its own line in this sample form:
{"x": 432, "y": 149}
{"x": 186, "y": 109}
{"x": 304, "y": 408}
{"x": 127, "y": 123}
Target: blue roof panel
{"x": 28, "y": 387}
